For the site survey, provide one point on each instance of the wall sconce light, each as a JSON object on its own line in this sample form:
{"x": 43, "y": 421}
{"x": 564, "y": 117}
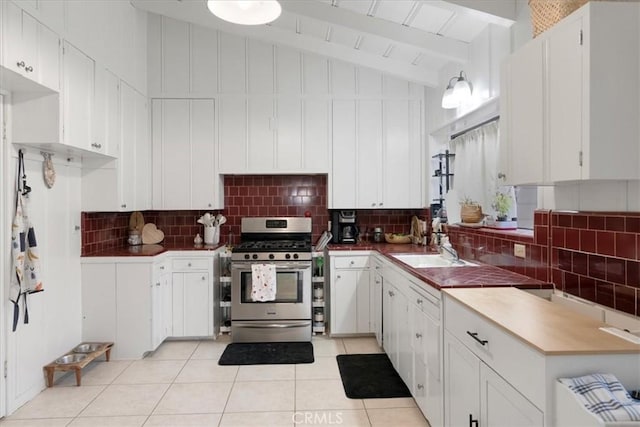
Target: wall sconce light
{"x": 458, "y": 91}
{"x": 245, "y": 12}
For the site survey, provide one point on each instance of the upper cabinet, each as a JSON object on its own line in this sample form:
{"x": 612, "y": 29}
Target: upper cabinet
{"x": 376, "y": 154}
{"x": 77, "y": 104}
{"x": 184, "y": 154}
{"x": 575, "y": 120}
{"x": 30, "y": 48}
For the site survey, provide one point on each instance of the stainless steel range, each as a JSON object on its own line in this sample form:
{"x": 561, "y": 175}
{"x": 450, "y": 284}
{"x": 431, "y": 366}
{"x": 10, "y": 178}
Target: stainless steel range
{"x": 283, "y": 245}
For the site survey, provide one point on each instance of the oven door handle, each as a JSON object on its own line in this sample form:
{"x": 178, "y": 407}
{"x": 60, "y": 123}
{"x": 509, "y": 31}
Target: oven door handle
{"x": 279, "y": 267}
{"x": 272, "y": 325}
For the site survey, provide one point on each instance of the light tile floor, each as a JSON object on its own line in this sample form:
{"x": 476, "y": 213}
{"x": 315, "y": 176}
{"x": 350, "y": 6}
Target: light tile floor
{"x": 181, "y": 384}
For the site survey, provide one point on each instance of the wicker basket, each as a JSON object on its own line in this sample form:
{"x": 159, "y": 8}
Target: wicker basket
{"x": 396, "y": 238}
{"x": 545, "y": 13}
{"x": 471, "y": 214}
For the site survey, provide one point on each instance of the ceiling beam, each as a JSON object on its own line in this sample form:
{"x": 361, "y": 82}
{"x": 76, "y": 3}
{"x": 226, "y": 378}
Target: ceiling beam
{"x": 499, "y": 12}
{"x": 431, "y": 44}
{"x": 196, "y": 12}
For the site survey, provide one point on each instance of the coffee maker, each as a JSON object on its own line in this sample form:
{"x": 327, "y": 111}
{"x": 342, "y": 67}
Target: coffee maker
{"x": 343, "y": 227}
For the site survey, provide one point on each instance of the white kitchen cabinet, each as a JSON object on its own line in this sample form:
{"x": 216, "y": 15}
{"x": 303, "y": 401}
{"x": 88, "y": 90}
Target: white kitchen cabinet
{"x": 30, "y": 49}
{"x": 161, "y": 295}
{"x": 350, "y": 295}
{"x": 378, "y": 163}
{"x": 106, "y": 113}
{"x": 77, "y": 103}
{"x": 261, "y": 135}
{"x": 233, "y": 135}
{"x": 192, "y": 296}
{"x": 377, "y": 279}
{"x": 184, "y": 155}
{"x": 525, "y": 117}
{"x": 475, "y": 393}
{"x": 566, "y": 129}
{"x": 123, "y": 184}
{"x": 426, "y": 336}
{"x": 117, "y": 305}
{"x": 396, "y": 330}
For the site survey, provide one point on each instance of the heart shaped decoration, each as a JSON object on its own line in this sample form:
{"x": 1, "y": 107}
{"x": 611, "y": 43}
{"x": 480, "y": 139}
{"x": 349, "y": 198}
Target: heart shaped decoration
{"x": 151, "y": 235}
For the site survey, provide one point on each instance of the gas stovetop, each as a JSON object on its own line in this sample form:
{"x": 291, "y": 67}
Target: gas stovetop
{"x": 274, "y": 239}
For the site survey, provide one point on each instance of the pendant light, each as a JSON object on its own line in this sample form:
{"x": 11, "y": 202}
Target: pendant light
{"x": 245, "y": 12}
{"x": 457, "y": 92}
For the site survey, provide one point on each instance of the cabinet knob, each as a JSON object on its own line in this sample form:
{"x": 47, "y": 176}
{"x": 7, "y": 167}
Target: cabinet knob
{"x": 502, "y": 175}
{"x": 209, "y": 205}
{"x": 391, "y": 293}
{"x": 162, "y": 267}
{"x": 380, "y": 204}
{"x": 418, "y": 335}
{"x": 20, "y": 64}
{"x": 123, "y": 206}
{"x": 420, "y": 386}
{"x": 373, "y": 204}
{"x": 189, "y": 265}
{"x": 377, "y": 282}
{"x": 338, "y": 276}
{"x": 352, "y": 262}
{"x": 158, "y": 284}
{"x": 29, "y": 69}
{"x": 419, "y": 301}
{"x": 204, "y": 278}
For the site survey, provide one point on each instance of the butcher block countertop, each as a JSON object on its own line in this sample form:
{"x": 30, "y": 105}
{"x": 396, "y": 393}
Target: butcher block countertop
{"x": 543, "y": 325}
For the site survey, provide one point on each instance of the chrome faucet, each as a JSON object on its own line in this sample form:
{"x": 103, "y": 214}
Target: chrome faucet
{"x": 451, "y": 252}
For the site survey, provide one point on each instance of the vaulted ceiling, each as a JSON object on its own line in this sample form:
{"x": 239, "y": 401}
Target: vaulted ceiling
{"x": 411, "y": 39}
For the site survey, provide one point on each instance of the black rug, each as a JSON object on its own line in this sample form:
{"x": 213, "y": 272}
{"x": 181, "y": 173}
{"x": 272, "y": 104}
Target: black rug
{"x": 370, "y": 376}
{"x": 267, "y": 353}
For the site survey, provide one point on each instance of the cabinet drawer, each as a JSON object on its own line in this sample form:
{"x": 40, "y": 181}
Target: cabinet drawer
{"x": 351, "y": 262}
{"x": 497, "y": 348}
{"x": 189, "y": 264}
{"x": 426, "y": 302}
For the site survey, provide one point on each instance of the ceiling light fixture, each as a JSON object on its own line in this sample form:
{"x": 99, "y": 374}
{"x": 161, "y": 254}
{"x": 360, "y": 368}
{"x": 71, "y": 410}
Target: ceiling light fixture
{"x": 457, "y": 92}
{"x": 245, "y": 12}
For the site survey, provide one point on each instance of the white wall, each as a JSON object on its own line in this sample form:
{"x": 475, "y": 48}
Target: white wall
{"x": 55, "y": 314}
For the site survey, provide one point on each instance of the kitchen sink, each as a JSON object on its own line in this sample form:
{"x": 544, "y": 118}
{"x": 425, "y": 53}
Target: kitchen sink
{"x": 430, "y": 261}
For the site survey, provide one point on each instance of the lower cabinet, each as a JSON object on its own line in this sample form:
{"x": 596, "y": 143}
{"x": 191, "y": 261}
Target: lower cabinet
{"x": 396, "y": 330}
{"x": 117, "y": 305}
{"x": 476, "y": 395}
{"x": 350, "y": 295}
{"x": 192, "y": 296}
{"x": 376, "y": 280}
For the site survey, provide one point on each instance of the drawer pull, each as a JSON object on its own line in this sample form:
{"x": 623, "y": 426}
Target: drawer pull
{"x": 418, "y": 301}
{"x": 474, "y": 335}
{"x": 472, "y": 422}
{"x": 418, "y": 335}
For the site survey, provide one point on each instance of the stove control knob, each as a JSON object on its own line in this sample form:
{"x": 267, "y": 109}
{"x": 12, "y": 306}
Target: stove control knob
{"x": 271, "y": 256}
{"x": 287, "y": 256}
{"x": 246, "y": 256}
{"x": 295, "y": 256}
{"x": 254, "y": 256}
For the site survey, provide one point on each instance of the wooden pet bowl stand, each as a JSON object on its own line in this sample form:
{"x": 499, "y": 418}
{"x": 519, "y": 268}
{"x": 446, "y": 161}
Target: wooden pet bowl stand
{"x": 105, "y": 348}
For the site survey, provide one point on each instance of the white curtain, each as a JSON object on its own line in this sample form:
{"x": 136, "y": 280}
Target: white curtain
{"x": 476, "y": 164}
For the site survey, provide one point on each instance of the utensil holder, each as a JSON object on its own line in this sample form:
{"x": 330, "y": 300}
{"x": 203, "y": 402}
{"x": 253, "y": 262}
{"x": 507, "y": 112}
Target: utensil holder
{"x": 211, "y": 235}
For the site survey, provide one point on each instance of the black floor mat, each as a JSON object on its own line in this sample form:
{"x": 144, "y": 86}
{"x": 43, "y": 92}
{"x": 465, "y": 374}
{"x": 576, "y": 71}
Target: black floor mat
{"x": 267, "y": 353}
{"x": 369, "y": 376}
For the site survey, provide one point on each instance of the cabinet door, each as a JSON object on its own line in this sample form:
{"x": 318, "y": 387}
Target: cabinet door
{"x": 205, "y": 181}
{"x": 167, "y": 305}
{"x": 289, "y": 138}
{"x": 426, "y": 346}
{"x": 233, "y": 135}
{"x": 566, "y": 104}
{"x": 106, "y": 113}
{"x": 12, "y": 46}
{"x": 198, "y": 301}
{"x": 344, "y": 300}
{"x": 142, "y": 194}
{"x": 363, "y": 298}
{"x": 461, "y": 384}
{"x": 369, "y": 161}
{"x": 157, "y": 321}
{"x": 402, "y": 154}
{"x": 390, "y": 322}
{"x": 78, "y": 76}
{"x": 343, "y": 176}
{"x": 134, "y": 313}
{"x": 405, "y": 351}
{"x": 376, "y": 305}
{"x": 502, "y": 405}
{"x": 177, "y": 304}
{"x": 261, "y": 135}
{"x": 47, "y": 66}
{"x": 316, "y": 131}
{"x": 127, "y": 159}
{"x": 99, "y": 302}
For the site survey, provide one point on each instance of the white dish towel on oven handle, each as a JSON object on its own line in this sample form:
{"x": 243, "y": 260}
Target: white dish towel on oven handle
{"x": 263, "y": 282}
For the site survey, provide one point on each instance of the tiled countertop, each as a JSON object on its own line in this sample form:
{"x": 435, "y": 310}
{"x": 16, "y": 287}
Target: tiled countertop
{"x": 149, "y": 250}
{"x": 482, "y": 275}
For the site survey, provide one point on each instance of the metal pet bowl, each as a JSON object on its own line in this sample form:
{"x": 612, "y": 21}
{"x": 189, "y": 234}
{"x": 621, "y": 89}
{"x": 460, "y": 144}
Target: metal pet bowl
{"x": 87, "y": 348}
{"x": 70, "y": 358}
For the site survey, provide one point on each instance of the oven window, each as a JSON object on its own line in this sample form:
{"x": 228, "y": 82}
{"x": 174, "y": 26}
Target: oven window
{"x": 288, "y": 287}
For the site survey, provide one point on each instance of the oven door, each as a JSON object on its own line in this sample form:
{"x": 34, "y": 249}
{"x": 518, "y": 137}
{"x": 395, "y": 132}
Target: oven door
{"x": 293, "y": 293}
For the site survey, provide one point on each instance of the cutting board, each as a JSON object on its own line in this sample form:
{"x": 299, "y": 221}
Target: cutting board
{"x": 151, "y": 235}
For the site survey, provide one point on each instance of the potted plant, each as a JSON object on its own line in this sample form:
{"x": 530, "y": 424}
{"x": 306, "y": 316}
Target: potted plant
{"x": 502, "y": 203}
